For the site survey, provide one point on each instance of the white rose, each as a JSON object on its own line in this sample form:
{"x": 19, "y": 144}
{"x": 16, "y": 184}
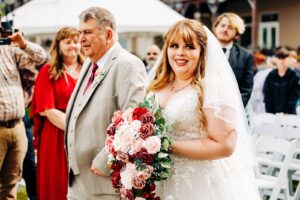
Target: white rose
{"x": 127, "y": 175}
{"x": 152, "y": 144}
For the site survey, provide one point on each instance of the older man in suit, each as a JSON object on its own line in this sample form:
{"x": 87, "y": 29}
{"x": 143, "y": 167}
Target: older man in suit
{"x": 227, "y": 28}
{"x": 110, "y": 79}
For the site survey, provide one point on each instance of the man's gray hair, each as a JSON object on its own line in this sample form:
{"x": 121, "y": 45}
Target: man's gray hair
{"x": 103, "y": 17}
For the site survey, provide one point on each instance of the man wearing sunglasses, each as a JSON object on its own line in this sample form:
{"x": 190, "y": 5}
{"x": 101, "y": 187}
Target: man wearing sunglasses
{"x": 281, "y": 88}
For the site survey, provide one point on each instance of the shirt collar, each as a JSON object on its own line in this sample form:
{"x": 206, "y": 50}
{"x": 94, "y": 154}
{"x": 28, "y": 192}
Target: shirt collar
{"x": 105, "y": 57}
{"x": 228, "y": 46}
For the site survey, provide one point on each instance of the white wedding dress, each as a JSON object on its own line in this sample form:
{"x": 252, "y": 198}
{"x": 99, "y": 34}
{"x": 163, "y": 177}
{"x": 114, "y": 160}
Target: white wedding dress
{"x": 196, "y": 179}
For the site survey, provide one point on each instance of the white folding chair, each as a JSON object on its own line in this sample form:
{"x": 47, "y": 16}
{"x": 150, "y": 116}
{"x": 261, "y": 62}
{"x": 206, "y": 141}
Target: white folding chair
{"x": 295, "y": 179}
{"x": 274, "y": 154}
{"x": 297, "y": 193}
{"x": 263, "y": 118}
{"x": 291, "y": 124}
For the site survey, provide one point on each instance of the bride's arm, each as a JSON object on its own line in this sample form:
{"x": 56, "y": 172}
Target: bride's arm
{"x": 220, "y": 141}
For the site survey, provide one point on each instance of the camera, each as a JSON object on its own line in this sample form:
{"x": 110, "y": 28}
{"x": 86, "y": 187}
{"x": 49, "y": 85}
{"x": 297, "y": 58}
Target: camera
{"x": 4, "y": 40}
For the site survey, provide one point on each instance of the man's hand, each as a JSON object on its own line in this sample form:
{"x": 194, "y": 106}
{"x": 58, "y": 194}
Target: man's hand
{"x": 96, "y": 171}
{"x": 18, "y": 40}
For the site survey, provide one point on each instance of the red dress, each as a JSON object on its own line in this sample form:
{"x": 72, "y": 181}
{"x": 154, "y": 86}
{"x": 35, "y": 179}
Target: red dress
{"x": 52, "y": 172}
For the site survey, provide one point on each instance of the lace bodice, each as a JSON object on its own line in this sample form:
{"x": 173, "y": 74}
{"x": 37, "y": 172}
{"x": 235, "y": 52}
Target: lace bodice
{"x": 200, "y": 179}
{"x": 181, "y": 112}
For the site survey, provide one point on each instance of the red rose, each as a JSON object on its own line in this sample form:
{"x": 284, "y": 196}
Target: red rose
{"x": 117, "y": 118}
{"x": 146, "y": 130}
{"x": 115, "y": 179}
{"x": 138, "y": 112}
{"x": 138, "y": 182}
{"x": 126, "y": 194}
{"x": 152, "y": 187}
{"x": 147, "y": 118}
{"x": 116, "y": 166}
{"x": 111, "y": 129}
{"x": 144, "y": 156}
{"x": 129, "y": 195}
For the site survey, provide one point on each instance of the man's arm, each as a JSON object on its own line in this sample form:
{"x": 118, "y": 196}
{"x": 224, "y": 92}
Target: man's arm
{"x": 247, "y": 82}
{"x": 28, "y": 55}
{"x": 294, "y": 95}
{"x": 267, "y": 95}
{"x": 131, "y": 88}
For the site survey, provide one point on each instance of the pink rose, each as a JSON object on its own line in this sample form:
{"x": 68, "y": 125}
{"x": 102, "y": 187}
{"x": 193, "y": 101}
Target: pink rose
{"x": 122, "y": 157}
{"x": 152, "y": 144}
{"x": 138, "y": 182}
{"x": 148, "y": 171}
{"x": 147, "y": 118}
{"x": 109, "y": 144}
{"x": 127, "y": 115}
{"x": 117, "y": 118}
{"x": 146, "y": 130}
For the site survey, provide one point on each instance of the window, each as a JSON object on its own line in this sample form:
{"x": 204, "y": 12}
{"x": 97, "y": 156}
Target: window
{"x": 269, "y": 31}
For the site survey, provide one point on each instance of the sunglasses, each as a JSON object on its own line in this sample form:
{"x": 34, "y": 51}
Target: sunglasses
{"x": 282, "y": 55}
{"x": 153, "y": 53}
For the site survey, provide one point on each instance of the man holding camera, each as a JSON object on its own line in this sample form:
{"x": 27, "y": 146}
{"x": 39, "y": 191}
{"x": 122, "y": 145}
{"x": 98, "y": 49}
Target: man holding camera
{"x": 13, "y": 141}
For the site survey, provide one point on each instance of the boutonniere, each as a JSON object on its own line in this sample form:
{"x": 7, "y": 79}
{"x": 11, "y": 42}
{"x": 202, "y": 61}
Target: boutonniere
{"x": 99, "y": 74}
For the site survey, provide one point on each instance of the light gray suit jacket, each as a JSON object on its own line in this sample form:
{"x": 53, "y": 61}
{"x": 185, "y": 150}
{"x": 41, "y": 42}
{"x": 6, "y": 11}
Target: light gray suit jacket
{"x": 123, "y": 83}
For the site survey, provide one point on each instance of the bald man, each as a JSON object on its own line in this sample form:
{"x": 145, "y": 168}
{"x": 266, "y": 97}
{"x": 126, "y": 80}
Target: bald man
{"x": 153, "y": 52}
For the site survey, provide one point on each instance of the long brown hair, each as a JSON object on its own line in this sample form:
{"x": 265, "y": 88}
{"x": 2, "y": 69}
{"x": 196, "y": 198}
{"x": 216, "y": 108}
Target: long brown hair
{"x": 187, "y": 29}
{"x": 56, "y": 69}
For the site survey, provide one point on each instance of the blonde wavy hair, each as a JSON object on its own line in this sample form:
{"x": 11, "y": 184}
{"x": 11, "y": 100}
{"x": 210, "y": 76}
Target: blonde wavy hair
{"x": 56, "y": 69}
{"x": 187, "y": 29}
{"x": 236, "y": 21}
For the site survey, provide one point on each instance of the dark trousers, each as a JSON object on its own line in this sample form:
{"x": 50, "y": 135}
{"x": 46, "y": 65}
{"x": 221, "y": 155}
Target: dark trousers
{"x": 29, "y": 166}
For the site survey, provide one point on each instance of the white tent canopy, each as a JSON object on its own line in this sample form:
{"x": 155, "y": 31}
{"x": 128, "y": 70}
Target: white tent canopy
{"x": 47, "y": 16}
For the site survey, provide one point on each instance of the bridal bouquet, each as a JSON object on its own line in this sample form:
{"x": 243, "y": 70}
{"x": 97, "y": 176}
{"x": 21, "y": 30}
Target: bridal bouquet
{"x": 138, "y": 148}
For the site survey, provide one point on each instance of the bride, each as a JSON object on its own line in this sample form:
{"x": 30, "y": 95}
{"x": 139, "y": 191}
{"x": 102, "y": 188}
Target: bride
{"x": 197, "y": 90}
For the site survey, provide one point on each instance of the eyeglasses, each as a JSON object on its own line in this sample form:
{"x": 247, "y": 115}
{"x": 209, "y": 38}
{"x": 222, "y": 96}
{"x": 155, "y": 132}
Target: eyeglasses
{"x": 153, "y": 53}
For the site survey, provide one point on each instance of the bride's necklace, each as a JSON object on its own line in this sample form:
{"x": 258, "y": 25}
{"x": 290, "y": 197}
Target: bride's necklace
{"x": 71, "y": 69}
{"x": 179, "y": 89}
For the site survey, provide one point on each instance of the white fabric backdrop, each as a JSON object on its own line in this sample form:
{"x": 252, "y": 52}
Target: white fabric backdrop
{"x": 47, "y": 16}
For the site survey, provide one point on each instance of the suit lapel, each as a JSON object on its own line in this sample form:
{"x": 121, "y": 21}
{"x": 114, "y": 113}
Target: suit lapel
{"x": 83, "y": 73}
{"x": 99, "y": 78}
{"x": 232, "y": 56}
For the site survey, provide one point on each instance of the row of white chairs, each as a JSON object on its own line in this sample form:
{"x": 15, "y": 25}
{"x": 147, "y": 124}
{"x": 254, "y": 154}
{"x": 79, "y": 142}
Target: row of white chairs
{"x": 277, "y": 148}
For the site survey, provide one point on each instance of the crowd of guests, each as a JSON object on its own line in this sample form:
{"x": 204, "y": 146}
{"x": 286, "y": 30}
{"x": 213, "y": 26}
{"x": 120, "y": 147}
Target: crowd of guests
{"x": 267, "y": 81}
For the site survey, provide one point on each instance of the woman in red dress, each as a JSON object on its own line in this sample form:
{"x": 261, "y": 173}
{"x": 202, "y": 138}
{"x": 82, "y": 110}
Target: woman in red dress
{"x": 53, "y": 89}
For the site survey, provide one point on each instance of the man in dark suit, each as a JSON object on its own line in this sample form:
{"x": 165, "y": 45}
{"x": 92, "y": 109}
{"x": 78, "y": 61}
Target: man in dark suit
{"x": 227, "y": 28}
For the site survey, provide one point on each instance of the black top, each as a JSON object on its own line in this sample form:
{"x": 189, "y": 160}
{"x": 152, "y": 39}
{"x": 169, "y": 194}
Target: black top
{"x": 281, "y": 93}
